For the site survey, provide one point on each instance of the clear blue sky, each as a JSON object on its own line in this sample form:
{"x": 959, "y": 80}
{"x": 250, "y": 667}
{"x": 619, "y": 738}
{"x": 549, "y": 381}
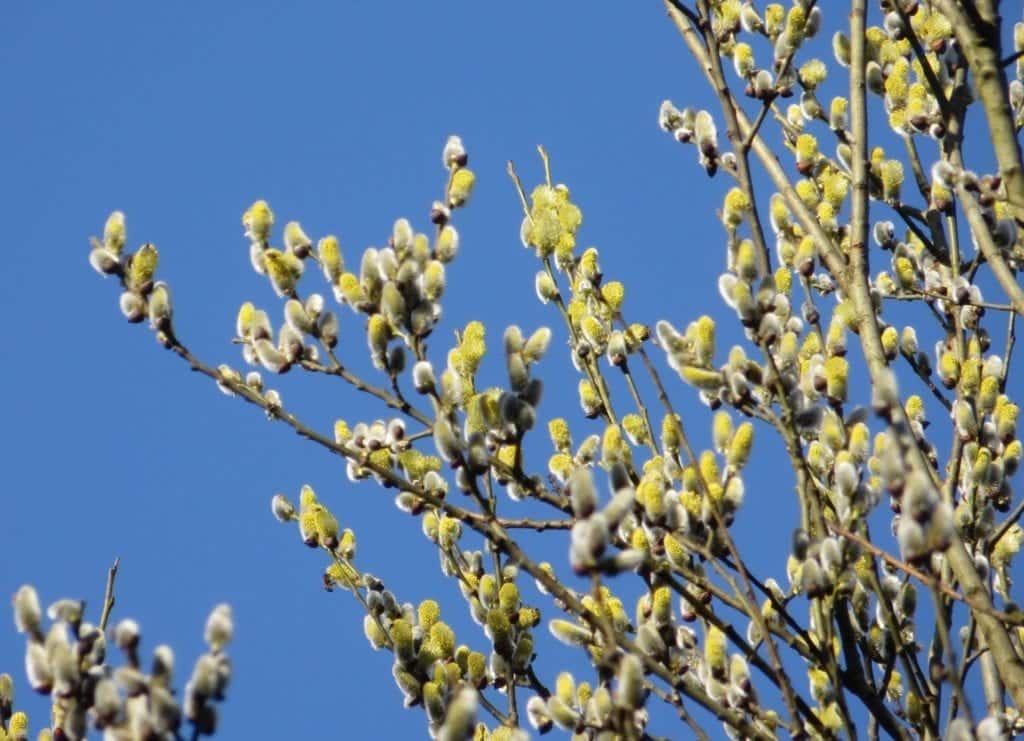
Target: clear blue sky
{"x": 335, "y": 113}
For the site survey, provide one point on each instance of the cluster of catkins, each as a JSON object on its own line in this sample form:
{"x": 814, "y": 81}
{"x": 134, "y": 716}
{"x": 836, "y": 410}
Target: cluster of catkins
{"x": 495, "y": 420}
{"x": 142, "y": 297}
{"x": 430, "y": 668}
{"x": 578, "y": 707}
{"x": 69, "y": 662}
{"x": 594, "y": 305}
{"x": 659, "y": 515}
{"x": 494, "y": 603}
{"x": 661, "y": 638}
{"x": 398, "y": 286}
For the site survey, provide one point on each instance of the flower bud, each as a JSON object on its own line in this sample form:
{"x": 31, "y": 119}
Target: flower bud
{"x": 589, "y": 399}
{"x": 270, "y": 357}
{"x": 447, "y": 245}
{"x": 965, "y": 419}
{"x": 454, "y": 153}
{"x": 160, "y": 307}
{"x": 219, "y": 627}
{"x": 621, "y": 503}
{"x": 378, "y": 334}
{"x": 282, "y": 508}
{"x": 461, "y": 716}
{"x": 258, "y": 221}
{"x": 28, "y": 613}
{"x": 617, "y": 350}
{"x": 705, "y": 133}
{"x": 314, "y": 306}
{"x": 165, "y": 713}
{"x": 911, "y": 538}
{"x": 538, "y": 715}
{"x": 274, "y": 403}
{"x": 296, "y": 240}
{"x": 813, "y": 580}
{"x": 283, "y": 269}
{"x": 104, "y": 261}
{"x": 735, "y": 207}
{"x": 392, "y": 304}
{"x": 37, "y": 668}
{"x": 133, "y": 306}
{"x": 499, "y": 630}
{"x": 374, "y": 633}
{"x": 564, "y": 716}
{"x": 570, "y": 633}
{"x": 461, "y": 187}
{"x": 536, "y": 347}
{"x": 836, "y": 370}
{"x": 127, "y": 635}
{"x": 740, "y": 446}
{"x": 630, "y": 692}
{"x": 448, "y": 532}
{"x": 582, "y": 493}
{"x": 163, "y": 664}
{"x": 433, "y": 280}
{"x": 545, "y": 286}
{"x": 106, "y": 702}
{"x": 141, "y": 267}
{"x": 445, "y": 440}
{"x": 948, "y": 369}
{"x": 114, "y": 234}
{"x": 433, "y": 702}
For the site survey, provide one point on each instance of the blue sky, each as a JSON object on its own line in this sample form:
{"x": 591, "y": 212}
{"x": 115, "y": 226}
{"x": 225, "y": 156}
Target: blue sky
{"x": 336, "y": 113}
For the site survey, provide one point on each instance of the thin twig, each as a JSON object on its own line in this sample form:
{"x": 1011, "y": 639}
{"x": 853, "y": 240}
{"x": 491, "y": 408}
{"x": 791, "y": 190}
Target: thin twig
{"x": 1010, "y": 521}
{"x": 491, "y": 708}
{"x": 917, "y": 294}
{"x": 1011, "y": 337}
{"x": 526, "y": 523}
{"x": 926, "y": 579}
{"x": 942, "y": 630}
{"x": 673, "y": 699}
{"x": 108, "y": 594}
{"x": 1000, "y": 269}
{"x": 1007, "y": 61}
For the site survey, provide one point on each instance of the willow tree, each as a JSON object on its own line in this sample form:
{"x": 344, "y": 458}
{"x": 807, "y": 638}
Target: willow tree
{"x": 870, "y": 202}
